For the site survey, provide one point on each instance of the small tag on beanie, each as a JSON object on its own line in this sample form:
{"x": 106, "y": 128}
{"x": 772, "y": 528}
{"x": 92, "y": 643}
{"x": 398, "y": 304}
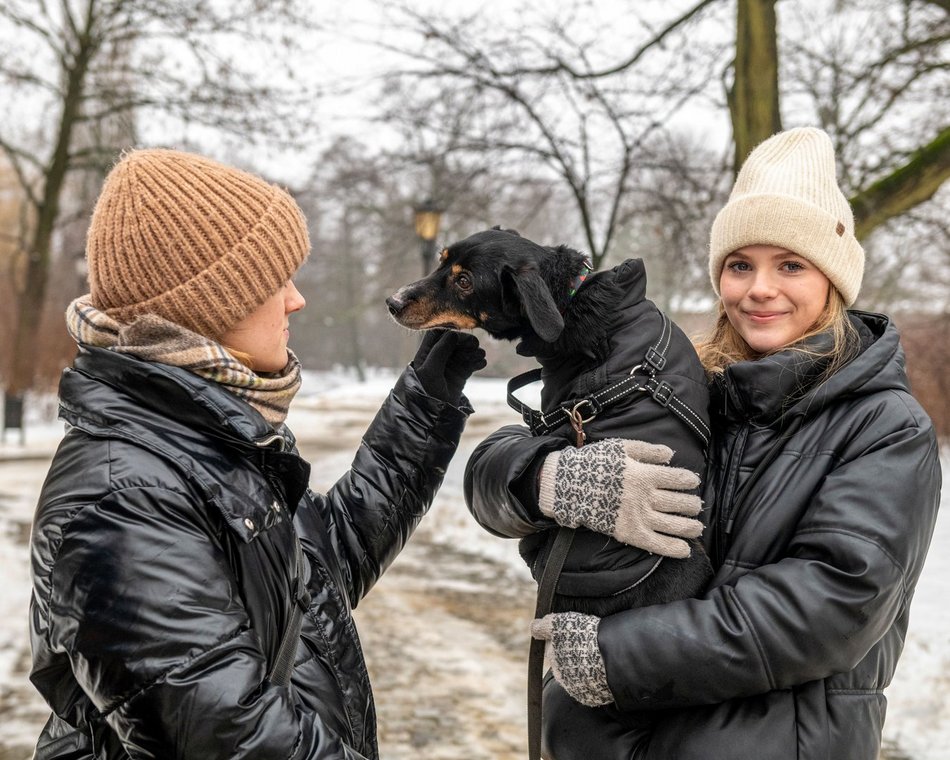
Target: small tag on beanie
{"x": 840, "y": 229}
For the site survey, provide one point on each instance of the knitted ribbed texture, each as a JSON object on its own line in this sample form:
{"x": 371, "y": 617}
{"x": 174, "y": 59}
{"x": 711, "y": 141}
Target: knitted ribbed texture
{"x": 787, "y": 195}
{"x": 191, "y": 240}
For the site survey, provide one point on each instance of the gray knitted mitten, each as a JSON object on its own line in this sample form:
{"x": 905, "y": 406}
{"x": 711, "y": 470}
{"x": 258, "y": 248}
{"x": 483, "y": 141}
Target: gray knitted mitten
{"x": 576, "y": 660}
{"x": 626, "y": 490}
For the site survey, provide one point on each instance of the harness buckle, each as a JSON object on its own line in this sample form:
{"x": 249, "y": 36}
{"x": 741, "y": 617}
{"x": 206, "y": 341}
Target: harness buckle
{"x": 595, "y": 409}
{"x": 655, "y": 359}
{"x": 663, "y": 393}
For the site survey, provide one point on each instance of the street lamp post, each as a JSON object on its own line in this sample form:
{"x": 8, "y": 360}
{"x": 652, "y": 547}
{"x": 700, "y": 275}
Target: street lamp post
{"x": 427, "y": 218}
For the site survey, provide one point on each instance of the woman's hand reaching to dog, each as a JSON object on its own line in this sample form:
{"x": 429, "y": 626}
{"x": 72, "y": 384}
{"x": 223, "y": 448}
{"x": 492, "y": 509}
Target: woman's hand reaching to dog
{"x": 626, "y": 490}
{"x": 445, "y": 360}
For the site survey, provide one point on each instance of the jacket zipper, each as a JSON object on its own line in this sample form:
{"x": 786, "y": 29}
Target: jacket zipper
{"x": 735, "y": 500}
{"x": 728, "y": 490}
{"x": 268, "y": 441}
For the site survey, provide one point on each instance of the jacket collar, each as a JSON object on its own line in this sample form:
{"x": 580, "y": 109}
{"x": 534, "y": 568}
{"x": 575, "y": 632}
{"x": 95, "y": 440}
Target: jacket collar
{"x": 785, "y": 384}
{"x": 193, "y": 422}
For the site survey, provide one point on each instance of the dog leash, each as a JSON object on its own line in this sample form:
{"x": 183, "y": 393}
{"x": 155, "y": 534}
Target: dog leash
{"x": 546, "y": 588}
{"x": 574, "y": 413}
{"x": 580, "y": 411}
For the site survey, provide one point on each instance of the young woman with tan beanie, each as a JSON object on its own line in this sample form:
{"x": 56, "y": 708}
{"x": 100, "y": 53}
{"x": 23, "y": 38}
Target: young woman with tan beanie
{"x": 191, "y": 596}
{"x": 821, "y": 493}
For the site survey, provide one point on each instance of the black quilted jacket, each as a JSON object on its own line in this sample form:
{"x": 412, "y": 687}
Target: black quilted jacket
{"x": 163, "y": 567}
{"x": 787, "y": 655}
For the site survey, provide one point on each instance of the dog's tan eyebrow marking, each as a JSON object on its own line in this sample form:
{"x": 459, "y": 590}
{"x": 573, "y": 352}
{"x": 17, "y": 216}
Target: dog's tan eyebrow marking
{"x": 456, "y": 269}
{"x": 444, "y": 255}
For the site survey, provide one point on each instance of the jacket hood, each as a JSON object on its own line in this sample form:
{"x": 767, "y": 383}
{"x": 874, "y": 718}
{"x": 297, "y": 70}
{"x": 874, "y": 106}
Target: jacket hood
{"x": 761, "y": 390}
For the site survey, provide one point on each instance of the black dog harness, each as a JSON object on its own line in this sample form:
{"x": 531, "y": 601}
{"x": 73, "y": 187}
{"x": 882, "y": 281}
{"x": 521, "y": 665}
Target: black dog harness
{"x": 643, "y": 378}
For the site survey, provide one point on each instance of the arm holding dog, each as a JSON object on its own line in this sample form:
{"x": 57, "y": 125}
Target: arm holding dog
{"x": 624, "y": 490}
{"x": 516, "y": 485}
{"x": 501, "y": 481}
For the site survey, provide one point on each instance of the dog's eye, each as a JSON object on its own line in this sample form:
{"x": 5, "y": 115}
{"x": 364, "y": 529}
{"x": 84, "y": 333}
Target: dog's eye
{"x": 463, "y": 281}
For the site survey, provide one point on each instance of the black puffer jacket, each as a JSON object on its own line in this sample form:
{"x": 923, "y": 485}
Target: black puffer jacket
{"x": 788, "y": 653}
{"x": 163, "y": 567}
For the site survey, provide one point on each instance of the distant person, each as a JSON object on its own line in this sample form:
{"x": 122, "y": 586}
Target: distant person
{"x": 191, "y": 596}
{"x": 821, "y": 492}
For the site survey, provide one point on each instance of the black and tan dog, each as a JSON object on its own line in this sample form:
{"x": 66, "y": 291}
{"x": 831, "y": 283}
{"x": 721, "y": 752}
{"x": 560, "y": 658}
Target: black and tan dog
{"x": 590, "y": 332}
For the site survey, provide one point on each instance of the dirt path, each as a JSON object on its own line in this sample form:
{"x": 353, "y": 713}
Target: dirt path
{"x": 444, "y": 631}
{"x": 447, "y": 657}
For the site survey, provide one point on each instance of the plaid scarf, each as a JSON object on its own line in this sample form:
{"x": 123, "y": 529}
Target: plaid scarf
{"x": 154, "y": 339}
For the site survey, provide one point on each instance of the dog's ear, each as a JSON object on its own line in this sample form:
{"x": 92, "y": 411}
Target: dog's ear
{"x": 510, "y": 232}
{"x": 540, "y": 308}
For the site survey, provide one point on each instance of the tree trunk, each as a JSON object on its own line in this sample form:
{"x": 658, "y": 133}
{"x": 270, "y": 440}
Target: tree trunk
{"x": 32, "y": 299}
{"x": 907, "y": 186}
{"x": 754, "y": 98}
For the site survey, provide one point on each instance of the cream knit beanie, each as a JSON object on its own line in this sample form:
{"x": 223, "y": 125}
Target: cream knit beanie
{"x": 787, "y": 195}
{"x": 191, "y": 240}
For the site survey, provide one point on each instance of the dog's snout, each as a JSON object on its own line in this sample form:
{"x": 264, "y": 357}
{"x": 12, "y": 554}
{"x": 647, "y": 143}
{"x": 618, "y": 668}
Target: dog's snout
{"x": 395, "y": 303}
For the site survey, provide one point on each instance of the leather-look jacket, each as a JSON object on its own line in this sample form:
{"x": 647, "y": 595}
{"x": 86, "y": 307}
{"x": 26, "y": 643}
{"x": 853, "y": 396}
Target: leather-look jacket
{"x": 164, "y": 567}
{"x": 817, "y": 555}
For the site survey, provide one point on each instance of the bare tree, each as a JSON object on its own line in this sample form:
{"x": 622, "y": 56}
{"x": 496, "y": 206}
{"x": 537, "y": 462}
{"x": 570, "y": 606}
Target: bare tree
{"x": 539, "y": 94}
{"x": 667, "y": 218}
{"x": 12, "y": 206}
{"x": 754, "y": 95}
{"x": 85, "y": 64}
{"x": 543, "y": 94}
{"x": 875, "y": 76}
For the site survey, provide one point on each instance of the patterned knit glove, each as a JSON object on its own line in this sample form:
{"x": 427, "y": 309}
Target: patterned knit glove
{"x": 626, "y": 490}
{"x": 575, "y": 655}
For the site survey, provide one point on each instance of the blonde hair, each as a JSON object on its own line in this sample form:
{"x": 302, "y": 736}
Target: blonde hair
{"x": 724, "y": 345}
{"x": 245, "y": 358}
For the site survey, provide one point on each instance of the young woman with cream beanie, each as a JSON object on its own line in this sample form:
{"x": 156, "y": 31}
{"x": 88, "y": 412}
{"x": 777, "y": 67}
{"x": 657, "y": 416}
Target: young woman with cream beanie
{"x": 821, "y": 493}
{"x": 191, "y": 595}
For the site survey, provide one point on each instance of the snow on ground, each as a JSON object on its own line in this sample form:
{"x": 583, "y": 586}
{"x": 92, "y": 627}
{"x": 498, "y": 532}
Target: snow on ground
{"x": 329, "y": 417}
{"x": 918, "y": 716}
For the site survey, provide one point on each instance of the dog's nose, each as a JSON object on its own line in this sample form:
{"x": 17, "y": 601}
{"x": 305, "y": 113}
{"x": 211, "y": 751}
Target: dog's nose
{"x": 395, "y": 304}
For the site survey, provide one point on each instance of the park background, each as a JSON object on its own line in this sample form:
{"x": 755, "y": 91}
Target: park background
{"x": 615, "y": 126}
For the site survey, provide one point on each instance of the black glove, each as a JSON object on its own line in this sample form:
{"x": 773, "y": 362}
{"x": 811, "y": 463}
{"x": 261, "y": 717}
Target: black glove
{"x": 445, "y": 360}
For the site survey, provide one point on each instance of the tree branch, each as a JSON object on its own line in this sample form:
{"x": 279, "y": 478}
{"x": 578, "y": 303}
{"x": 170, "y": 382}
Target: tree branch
{"x": 25, "y": 22}
{"x": 905, "y": 187}
{"x": 561, "y": 66}
{"x": 14, "y": 156}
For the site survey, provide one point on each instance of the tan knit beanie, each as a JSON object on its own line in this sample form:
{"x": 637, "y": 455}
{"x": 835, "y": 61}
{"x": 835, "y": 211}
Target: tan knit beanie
{"x": 191, "y": 240}
{"x": 787, "y": 195}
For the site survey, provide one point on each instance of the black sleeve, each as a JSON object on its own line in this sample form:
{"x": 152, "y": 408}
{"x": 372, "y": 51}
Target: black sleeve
{"x": 501, "y": 481}
{"x": 374, "y": 508}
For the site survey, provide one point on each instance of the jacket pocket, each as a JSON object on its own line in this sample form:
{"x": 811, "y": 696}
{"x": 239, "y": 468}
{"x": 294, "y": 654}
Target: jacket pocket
{"x": 855, "y": 722}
